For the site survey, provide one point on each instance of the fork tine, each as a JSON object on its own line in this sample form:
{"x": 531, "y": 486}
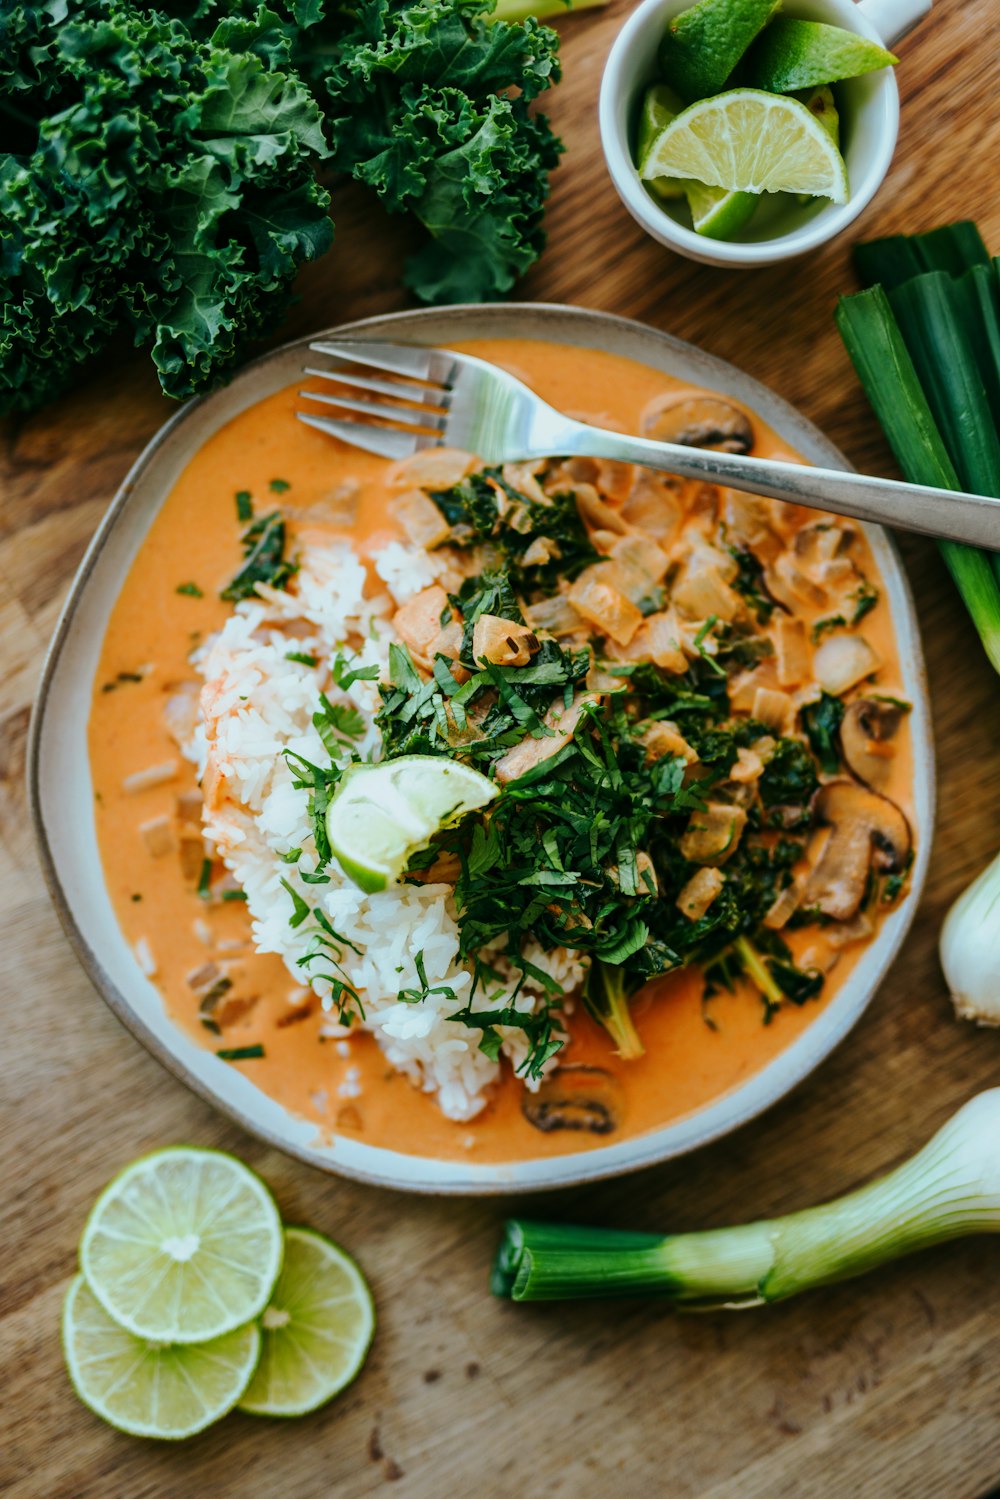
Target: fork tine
{"x": 401, "y": 414}
{"x": 383, "y": 441}
{"x": 430, "y": 395}
{"x": 429, "y": 365}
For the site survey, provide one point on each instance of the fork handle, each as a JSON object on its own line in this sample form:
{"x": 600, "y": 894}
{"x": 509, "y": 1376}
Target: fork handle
{"x": 945, "y": 513}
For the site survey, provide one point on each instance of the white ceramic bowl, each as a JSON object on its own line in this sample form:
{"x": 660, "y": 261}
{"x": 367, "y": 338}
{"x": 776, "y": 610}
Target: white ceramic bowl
{"x": 62, "y": 797}
{"x": 870, "y": 120}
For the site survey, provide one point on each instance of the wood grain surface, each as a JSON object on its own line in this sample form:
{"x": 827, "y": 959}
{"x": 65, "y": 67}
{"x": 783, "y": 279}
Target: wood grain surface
{"x": 886, "y": 1387}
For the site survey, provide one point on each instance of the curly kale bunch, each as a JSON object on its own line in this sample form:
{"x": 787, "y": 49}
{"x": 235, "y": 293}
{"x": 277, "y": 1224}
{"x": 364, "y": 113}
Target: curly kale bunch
{"x": 159, "y": 166}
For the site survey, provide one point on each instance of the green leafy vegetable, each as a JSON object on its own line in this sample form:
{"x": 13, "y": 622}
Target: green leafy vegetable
{"x": 264, "y": 550}
{"x": 159, "y": 166}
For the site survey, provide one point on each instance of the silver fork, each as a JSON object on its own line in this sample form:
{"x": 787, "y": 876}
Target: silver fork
{"x": 440, "y": 398}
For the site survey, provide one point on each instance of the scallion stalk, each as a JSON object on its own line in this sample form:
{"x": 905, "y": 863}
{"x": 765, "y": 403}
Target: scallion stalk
{"x": 880, "y": 355}
{"x": 978, "y": 292}
{"x": 897, "y": 258}
{"x": 950, "y": 1189}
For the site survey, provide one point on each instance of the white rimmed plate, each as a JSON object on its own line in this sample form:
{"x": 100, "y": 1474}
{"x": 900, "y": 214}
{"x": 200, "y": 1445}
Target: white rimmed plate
{"x": 62, "y": 793}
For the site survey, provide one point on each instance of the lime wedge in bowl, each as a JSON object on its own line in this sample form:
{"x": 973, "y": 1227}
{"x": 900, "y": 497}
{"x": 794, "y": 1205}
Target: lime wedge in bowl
{"x": 659, "y": 106}
{"x": 746, "y": 140}
{"x": 702, "y": 45}
{"x": 184, "y": 1245}
{"x": 793, "y": 54}
{"x": 382, "y": 814}
{"x": 719, "y": 214}
{"x": 152, "y": 1389}
{"x": 316, "y": 1330}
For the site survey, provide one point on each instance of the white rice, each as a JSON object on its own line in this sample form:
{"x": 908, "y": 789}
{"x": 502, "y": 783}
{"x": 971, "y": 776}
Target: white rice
{"x": 256, "y": 704}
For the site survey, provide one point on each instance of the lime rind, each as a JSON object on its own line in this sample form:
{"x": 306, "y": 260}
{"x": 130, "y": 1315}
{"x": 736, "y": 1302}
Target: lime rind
{"x": 746, "y": 140}
{"x": 150, "y": 1389}
{"x": 703, "y": 44}
{"x": 183, "y": 1246}
{"x": 383, "y": 814}
{"x": 322, "y": 1321}
{"x": 793, "y": 53}
{"x": 718, "y": 214}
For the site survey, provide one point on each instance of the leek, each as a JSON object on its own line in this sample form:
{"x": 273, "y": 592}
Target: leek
{"x": 886, "y": 369}
{"x": 950, "y": 1189}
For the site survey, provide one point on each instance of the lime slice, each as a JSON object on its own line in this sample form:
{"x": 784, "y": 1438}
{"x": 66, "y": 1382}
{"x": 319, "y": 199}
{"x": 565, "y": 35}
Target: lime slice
{"x": 702, "y": 45}
{"x": 794, "y": 54}
{"x": 152, "y": 1389}
{"x": 317, "y": 1329}
{"x": 659, "y": 106}
{"x": 749, "y": 141}
{"x": 719, "y": 214}
{"x": 382, "y": 814}
{"x": 183, "y": 1246}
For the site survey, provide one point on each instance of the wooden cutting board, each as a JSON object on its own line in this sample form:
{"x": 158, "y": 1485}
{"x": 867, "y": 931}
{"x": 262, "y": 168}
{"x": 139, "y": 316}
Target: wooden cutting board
{"x": 886, "y": 1387}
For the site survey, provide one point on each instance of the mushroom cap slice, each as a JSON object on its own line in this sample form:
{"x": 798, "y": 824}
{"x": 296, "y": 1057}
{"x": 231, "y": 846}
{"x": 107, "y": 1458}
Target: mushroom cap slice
{"x": 698, "y": 422}
{"x": 868, "y": 724}
{"x": 577, "y": 1098}
{"x": 867, "y": 831}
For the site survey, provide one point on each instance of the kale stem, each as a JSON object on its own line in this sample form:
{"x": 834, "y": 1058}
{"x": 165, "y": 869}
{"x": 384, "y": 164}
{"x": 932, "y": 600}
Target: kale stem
{"x": 757, "y": 971}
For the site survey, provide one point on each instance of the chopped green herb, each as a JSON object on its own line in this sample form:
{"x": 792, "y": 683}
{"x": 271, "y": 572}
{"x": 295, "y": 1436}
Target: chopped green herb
{"x": 205, "y": 880}
{"x": 821, "y": 721}
{"x": 234, "y": 895}
{"x": 300, "y": 910}
{"x": 345, "y": 675}
{"x": 278, "y": 486}
{"x": 240, "y": 1053}
{"x": 190, "y": 589}
{"x": 302, "y": 657}
{"x": 244, "y": 506}
{"x": 137, "y": 896}
{"x": 264, "y": 551}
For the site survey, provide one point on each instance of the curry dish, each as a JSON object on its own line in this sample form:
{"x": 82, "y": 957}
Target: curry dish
{"x": 688, "y": 701}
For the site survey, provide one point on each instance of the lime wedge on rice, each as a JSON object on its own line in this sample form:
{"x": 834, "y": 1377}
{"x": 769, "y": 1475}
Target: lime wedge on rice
{"x": 316, "y": 1330}
{"x": 659, "y": 106}
{"x": 793, "y": 54}
{"x": 749, "y": 141}
{"x": 152, "y": 1389}
{"x": 382, "y": 814}
{"x": 183, "y": 1246}
{"x": 702, "y": 45}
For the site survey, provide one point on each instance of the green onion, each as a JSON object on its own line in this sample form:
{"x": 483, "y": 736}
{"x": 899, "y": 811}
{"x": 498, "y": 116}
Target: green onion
{"x": 950, "y": 1189}
{"x": 978, "y": 292}
{"x": 899, "y": 257}
{"x": 886, "y": 369}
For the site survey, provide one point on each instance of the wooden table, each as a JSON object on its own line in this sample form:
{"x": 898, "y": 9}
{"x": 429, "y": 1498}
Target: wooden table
{"x": 886, "y": 1387}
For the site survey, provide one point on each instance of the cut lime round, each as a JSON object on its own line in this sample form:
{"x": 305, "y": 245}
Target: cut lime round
{"x": 749, "y": 141}
{"x": 659, "y": 106}
{"x": 183, "y": 1246}
{"x": 719, "y": 214}
{"x": 382, "y": 814}
{"x": 793, "y": 54}
{"x": 152, "y": 1389}
{"x": 317, "y": 1329}
{"x": 702, "y": 45}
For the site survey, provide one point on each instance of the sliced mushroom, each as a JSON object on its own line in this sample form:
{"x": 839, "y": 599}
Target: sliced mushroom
{"x": 578, "y": 1098}
{"x": 502, "y": 641}
{"x": 866, "y": 735}
{"x": 867, "y": 831}
{"x": 842, "y": 661}
{"x": 698, "y": 422}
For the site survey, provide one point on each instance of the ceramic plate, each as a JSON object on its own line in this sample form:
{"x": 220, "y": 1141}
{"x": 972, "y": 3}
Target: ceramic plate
{"x": 62, "y": 793}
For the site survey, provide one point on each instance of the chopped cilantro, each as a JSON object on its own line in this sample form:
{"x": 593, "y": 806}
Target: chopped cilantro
{"x": 191, "y": 589}
{"x": 240, "y": 1053}
{"x": 244, "y": 506}
{"x": 265, "y": 560}
{"x": 278, "y": 486}
{"x": 302, "y": 657}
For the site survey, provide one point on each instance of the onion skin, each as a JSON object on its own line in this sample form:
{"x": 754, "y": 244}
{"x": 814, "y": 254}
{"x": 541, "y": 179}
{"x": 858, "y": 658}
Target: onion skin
{"x": 970, "y": 949}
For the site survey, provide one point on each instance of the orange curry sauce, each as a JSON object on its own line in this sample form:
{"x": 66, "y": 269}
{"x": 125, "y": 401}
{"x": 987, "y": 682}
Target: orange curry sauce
{"x": 196, "y": 540}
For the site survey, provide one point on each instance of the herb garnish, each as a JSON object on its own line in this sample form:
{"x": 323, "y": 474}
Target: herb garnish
{"x": 278, "y": 486}
{"x": 240, "y": 1053}
{"x": 190, "y": 589}
{"x": 244, "y": 506}
{"x": 264, "y": 550}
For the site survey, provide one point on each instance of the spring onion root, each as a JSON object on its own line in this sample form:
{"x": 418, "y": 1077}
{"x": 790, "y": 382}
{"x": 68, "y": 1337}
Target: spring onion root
{"x": 950, "y": 1189}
